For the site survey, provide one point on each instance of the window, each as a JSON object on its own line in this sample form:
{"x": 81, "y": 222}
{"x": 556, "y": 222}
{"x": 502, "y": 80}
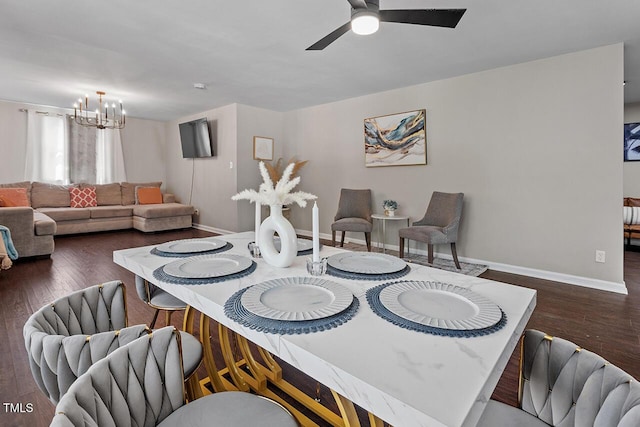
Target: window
{"x": 62, "y": 152}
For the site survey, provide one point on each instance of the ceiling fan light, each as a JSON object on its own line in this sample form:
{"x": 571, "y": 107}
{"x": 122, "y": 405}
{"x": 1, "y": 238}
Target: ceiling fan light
{"x": 365, "y": 23}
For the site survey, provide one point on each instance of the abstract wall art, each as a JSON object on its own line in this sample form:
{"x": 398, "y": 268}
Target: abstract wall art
{"x": 396, "y": 139}
{"x": 632, "y": 142}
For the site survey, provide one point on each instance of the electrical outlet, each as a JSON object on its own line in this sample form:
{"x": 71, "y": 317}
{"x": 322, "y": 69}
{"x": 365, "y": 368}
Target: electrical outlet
{"x": 230, "y": 165}
{"x": 196, "y": 211}
{"x": 600, "y": 256}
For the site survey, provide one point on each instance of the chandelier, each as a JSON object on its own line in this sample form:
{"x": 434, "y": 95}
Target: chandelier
{"x": 104, "y": 117}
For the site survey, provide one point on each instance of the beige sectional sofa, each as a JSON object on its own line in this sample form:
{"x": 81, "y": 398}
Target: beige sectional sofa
{"x": 32, "y": 228}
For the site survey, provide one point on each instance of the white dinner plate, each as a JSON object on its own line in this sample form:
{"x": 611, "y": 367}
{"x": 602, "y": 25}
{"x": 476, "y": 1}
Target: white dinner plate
{"x": 303, "y": 244}
{"x": 206, "y": 266}
{"x": 187, "y": 246}
{"x": 440, "y": 305}
{"x": 366, "y": 263}
{"x": 297, "y": 298}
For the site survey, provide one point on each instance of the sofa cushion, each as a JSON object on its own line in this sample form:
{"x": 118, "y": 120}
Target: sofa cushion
{"x": 22, "y": 184}
{"x": 108, "y": 194}
{"x": 111, "y": 211}
{"x": 44, "y": 226}
{"x": 84, "y": 197}
{"x": 162, "y": 210}
{"x": 129, "y": 190}
{"x": 13, "y": 197}
{"x": 148, "y": 195}
{"x": 66, "y": 214}
{"x": 50, "y": 195}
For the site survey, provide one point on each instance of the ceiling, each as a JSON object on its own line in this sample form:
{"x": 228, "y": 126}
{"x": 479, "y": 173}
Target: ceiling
{"x": 150, "y": 52}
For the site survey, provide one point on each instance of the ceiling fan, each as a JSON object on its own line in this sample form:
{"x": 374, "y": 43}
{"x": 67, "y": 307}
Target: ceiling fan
{"x": 366, "y": 16}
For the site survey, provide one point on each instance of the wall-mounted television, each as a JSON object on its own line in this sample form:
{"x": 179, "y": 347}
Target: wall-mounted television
{"x": 195, "y": 137}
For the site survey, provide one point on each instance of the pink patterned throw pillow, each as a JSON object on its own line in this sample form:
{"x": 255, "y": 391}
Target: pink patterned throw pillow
{"x": 83, "y": 197}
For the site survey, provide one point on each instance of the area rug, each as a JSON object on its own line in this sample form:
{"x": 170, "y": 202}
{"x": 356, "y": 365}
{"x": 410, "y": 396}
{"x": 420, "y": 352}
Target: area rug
{"x": 448, "y": 265}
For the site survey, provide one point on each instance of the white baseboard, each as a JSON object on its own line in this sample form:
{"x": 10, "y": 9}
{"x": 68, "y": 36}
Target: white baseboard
{"x": 586, "y": 282}
{"x": 211, "y": 229}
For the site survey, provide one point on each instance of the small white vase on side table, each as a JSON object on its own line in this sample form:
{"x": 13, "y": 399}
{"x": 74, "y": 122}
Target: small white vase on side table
{"x": 276, "y": 222}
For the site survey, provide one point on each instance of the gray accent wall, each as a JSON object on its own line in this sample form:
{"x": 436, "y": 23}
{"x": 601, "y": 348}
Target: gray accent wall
{"x": 535, "y": 147}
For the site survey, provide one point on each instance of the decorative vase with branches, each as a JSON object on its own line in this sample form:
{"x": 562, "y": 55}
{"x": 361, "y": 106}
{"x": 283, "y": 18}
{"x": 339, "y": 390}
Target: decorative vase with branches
{"x": 276, "y": 196}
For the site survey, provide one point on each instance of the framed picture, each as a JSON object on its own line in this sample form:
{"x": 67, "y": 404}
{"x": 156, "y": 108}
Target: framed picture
{"x": 262, "y": 148}
{"x": 632, "y": 142}
{"x": 396, "y": 140}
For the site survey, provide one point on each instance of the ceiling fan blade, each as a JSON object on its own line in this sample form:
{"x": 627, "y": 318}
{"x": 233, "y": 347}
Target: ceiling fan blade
{"x": 333, "y": 36}
{"x": 434, "y": 17}
{"x": 358, "y": 4}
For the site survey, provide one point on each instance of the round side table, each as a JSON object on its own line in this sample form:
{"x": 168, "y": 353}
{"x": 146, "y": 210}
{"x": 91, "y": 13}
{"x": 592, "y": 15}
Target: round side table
{"x": 384, "y": 219}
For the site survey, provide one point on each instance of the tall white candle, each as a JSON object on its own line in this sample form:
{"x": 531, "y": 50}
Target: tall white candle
{"x": 258, "y": 220}
{"x": 315, "y": 233}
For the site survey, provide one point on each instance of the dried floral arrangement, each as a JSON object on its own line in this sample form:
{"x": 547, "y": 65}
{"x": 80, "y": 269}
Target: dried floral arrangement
{"x": 277, "y": 170}
{"x": 278, "y": 194}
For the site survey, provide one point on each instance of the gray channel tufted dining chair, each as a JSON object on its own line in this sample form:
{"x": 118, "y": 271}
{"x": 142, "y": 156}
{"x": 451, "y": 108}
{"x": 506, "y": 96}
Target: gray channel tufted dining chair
{"x": 141, "y": 384}
{"x": 563, "y": 385}
{"x": 158, "y": 299}
{"x": 64, "y": 338}
{"x": 354, "y": 214}
{"x": 439, "y": 225}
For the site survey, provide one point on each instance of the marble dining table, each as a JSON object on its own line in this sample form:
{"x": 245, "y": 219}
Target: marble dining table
{"x": 404, "y": 377}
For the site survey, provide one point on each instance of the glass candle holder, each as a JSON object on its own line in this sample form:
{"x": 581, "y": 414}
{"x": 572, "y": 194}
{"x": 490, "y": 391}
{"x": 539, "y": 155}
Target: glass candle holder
{"x": 254, "y": 250}
{"x": 316, "y": 268}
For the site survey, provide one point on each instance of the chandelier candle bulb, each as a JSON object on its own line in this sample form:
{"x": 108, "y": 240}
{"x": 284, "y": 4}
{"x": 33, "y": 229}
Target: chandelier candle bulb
{"x": 315, "y": 233}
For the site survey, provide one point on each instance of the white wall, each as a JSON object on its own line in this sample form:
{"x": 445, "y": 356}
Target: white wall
{"x": 214, "y": 182}
{"x": 142, "y": 141}
{"x": 13, "y": 140}
{"x": 631, "y": 170}
{"x": 143, "y": 146}
{"x": 252, "y": 122}
{"x": 535, "y": 147}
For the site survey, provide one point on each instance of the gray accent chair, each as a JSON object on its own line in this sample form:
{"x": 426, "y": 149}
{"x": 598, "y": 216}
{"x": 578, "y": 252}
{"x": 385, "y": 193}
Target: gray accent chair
{"x": 141, "y": 384}
{"x": 158, "y": 299}
{"x": 565, "y": 386}
{"x": 354, "y": 214}
{"x": 64, "y": 338}
{"x": 439, "y": 225}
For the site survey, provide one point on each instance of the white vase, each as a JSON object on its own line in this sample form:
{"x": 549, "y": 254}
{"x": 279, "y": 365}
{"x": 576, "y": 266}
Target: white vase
{"x": 276, "y": 222}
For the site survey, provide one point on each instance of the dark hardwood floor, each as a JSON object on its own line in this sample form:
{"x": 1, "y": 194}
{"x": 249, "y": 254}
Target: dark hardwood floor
{"x": 604, "y": 322}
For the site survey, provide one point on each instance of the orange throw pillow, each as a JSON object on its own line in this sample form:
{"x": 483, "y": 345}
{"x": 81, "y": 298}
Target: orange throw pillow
{"x": 12, "y": 197}
{"x": 149, "y": 195}
{"x": 83, "y": 197}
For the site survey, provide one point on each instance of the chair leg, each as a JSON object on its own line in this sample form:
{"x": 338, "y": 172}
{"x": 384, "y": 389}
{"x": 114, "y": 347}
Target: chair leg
{"x": 430, "y": 254}
{"x": 401, "y": 251}
{"x": 455, "y": 255}
{"x": 342, "y": 239}
{"x": 333, "y": 238}
{"x": 367, "y": 238}
{"x": 167, "y": 317}
{"x": 155, "y": 317}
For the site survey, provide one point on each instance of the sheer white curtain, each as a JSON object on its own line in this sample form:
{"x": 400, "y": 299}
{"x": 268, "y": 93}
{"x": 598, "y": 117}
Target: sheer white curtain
{"x": 47, "y": 157}
{"x": 109, "y": 157}
{"x": 81, "y": 144}
{"x": 61, "y": 151}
